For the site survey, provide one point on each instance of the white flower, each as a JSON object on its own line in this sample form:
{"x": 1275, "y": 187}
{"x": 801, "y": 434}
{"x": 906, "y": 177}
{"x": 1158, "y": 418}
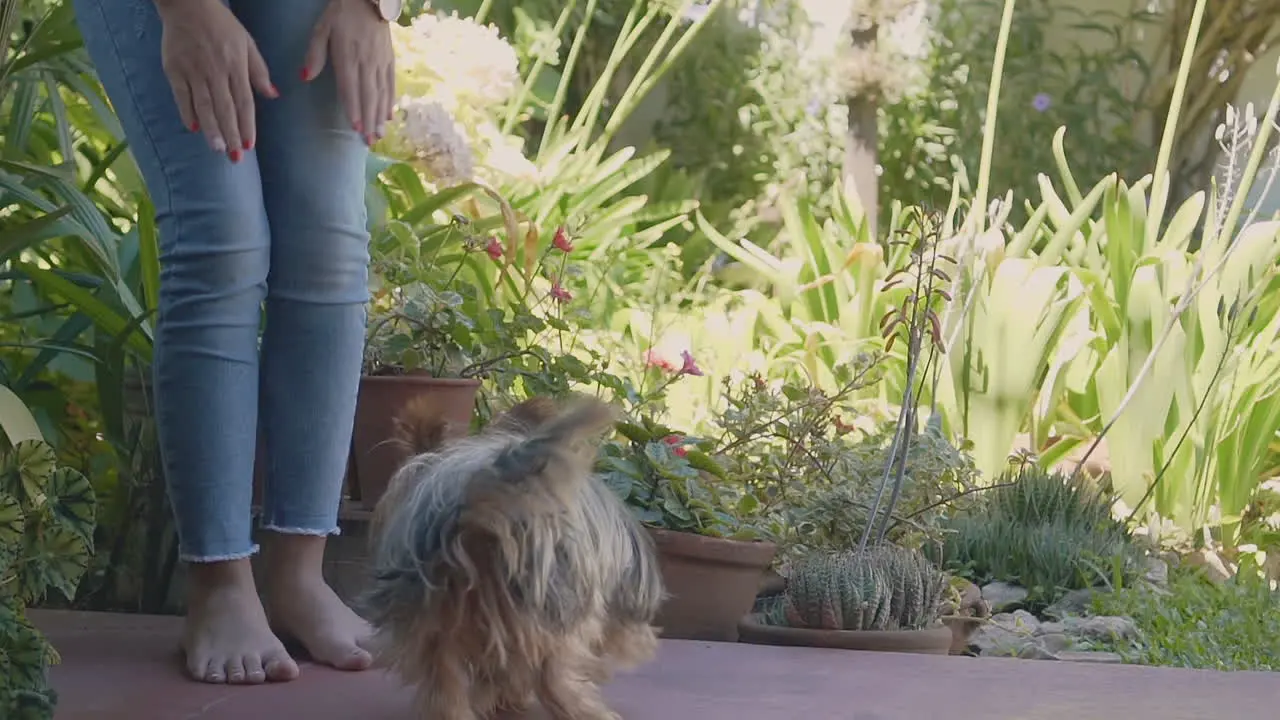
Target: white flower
{"x": 458, "y": 58}
{"x": 428, "y": 133}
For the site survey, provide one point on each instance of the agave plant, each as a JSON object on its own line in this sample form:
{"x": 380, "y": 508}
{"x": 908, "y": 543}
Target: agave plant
{"x": 47, "y": 517}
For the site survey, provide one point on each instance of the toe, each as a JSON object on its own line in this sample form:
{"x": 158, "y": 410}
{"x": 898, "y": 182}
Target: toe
{"x": 236, "y": 673}
{"x": 353, "y": 658}
{"x": 279, "y": 667}
{"x": 215, "y": 672}
{"x": 253, "y": 670}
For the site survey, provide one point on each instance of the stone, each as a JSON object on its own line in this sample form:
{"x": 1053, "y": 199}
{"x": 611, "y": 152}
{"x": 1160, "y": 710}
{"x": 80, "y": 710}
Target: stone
{"x": 1209, "y": 561}
{"x": 1001, "y": 596}
{"x": 1035, "y": 651}
{"x": 1075, "y": 602}
{"x": 1091, "y": 656}
{"x": 1055, "y": 642}
{"x": 1051, "y": 628}
{"x": 1104, "y": 628}
{"x": 1155, "y": 572}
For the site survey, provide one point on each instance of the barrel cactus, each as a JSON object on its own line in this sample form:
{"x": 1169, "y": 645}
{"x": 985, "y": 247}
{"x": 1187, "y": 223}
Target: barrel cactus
{"x": 47, "y": 516}
{"x": 883, "y": 588}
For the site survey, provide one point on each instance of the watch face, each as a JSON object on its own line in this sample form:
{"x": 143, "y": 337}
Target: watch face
{"x": 390, "y": 9}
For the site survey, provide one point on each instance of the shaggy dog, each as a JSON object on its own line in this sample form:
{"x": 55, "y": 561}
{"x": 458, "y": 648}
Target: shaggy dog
{"x": 506, "y": 571}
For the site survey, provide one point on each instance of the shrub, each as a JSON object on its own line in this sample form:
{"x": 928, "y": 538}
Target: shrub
{"x": 1043, "y": 532}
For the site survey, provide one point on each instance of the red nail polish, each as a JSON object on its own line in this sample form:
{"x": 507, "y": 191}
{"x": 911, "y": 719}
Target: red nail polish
{"x": 275, "y": 91}
{"x": 306, "y": 74}
{"x": 195, "y": 127}
{"x": 248, "y": 144}
{"x": 235, "y": 156}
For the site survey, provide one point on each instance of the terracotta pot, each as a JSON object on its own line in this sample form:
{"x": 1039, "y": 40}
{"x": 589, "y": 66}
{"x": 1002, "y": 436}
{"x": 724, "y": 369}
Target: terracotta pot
{"x": 711, "y": 583}
{"x": 934, "y": 640}
{"x": 375, "y": 458}
{"x": 962, "y": 628}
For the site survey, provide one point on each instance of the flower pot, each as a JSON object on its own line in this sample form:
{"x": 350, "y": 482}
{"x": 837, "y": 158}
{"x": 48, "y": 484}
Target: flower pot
{"x": 935, "y": 640}
{"x": 711, "y": 583}
{"x": 375, "y": 456}
{"x": 962, "y": 628}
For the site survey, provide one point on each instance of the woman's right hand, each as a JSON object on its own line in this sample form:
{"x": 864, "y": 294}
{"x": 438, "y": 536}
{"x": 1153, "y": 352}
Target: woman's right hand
{"x": 213, "y": 66}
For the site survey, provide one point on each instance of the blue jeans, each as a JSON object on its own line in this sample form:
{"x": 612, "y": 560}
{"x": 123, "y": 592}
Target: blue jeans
{"x": 285, "y": 226}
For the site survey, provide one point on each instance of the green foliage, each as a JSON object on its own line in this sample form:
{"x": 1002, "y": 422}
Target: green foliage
{"x": 1043, "y": 532}
{"x": 885, "y": 587}
{"x": 1091, "y": 86}
{"x": 671, "y": 481}
{"x": 47, "y": 516}
{"x": 1198, "y": 623}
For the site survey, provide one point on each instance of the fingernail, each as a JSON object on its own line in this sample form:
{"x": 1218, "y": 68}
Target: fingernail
{"x": 275, "y": 91}
{"x": 235, "y": 156}
{"x": 248, "y": 144}
{"x": 219, "y": 145}
{"x": 306, "y": 74}
{"x": 359, "y": 126}
{"x": 195, "y": 127}
{"x": 382, "y": 129}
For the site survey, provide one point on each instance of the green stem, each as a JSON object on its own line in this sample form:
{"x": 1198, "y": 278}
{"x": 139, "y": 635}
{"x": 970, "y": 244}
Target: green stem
{"x": 978, "y": 213}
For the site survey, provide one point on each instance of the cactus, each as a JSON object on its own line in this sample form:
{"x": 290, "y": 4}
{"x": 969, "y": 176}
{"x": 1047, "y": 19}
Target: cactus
{"x": 46, "y": 537}
{"x": 884, "y": 588}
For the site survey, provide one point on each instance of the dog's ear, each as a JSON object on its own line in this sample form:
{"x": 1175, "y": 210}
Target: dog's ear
{"x": 421, "y": 425}
{"x": 527, "y": 416}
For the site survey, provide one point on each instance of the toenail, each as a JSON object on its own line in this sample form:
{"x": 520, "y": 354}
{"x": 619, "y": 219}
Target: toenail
{"x": 214, "y": 677}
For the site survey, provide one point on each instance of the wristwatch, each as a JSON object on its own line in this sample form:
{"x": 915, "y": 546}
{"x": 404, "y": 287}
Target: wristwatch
{"x": 389, "y": 9}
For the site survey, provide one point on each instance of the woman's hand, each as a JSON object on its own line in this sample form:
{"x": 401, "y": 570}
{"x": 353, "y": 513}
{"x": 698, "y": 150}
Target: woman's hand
{"x": 354, "y": 36}
{"x": 213, "y": 67}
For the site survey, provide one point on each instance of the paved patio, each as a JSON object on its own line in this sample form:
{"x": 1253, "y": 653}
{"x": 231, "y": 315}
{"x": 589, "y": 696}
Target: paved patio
{"x": 125, "y": 667}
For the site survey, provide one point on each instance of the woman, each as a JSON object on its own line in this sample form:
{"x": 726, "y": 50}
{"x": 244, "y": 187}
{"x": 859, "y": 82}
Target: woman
{"x": 258, "y": 199}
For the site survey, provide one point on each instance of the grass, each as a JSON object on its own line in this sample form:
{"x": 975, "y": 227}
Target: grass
{"x": 1199, "y": 624}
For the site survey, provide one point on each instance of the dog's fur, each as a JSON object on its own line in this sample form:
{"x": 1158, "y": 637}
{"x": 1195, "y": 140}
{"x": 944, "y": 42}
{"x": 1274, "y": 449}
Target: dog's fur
{"x": 505, "y": 571}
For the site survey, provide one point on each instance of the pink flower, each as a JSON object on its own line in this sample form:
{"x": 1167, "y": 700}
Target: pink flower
{"x": 561, "y": 240}
{"x": 559, "y": 294}
{"x": 653, "y": 359}
{"x": 494, "y": 249}
{"x": 690, "y": 365}
{"x": 675, "y": 442}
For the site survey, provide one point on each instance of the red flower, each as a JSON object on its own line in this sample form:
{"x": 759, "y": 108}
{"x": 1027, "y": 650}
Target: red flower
{"x": 653, "y": 359}
{"x": 494, "y": 249}
{"x": 561, "y": 240}
{"x": 559, "y": 294}
{"x": 690, "y": 365}
{"x": 675, "y": 442}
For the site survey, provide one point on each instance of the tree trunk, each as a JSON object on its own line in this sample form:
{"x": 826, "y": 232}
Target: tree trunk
{"x": 860, "y": 154}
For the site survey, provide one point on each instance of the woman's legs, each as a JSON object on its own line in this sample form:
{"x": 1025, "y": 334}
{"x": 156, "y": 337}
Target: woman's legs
{"x": 291, "y": 216}
{"x": 214, "y": 254}
{"x": 313, "y": 182}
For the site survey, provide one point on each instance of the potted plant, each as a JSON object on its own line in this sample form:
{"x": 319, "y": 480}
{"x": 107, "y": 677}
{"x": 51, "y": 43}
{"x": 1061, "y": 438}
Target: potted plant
{"x": 886, "y": 598}
{"x": 712, "y": 558}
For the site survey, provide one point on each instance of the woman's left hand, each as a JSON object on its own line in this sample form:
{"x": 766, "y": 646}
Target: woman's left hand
{"x": 354, "y": 37}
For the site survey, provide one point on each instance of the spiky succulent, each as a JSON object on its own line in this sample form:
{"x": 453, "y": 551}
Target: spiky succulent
{"x": 884, "y": 588}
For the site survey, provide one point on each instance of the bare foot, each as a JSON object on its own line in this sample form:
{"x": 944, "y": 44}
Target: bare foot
{"x": 226, "y": 636}
{"x": 308, "y": 610}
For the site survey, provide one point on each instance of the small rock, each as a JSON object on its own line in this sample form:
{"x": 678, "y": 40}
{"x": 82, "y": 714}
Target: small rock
{"x": 1105, "y": 628}
{"x": 1054, "y": 642}
{"x": 1075, "y": 602}
{"x": 1211, "y": 563}
{"x": 1155, "y": 571}
{"x": 998, "y": 639}
{"x": 1108, "y": 658}
{"x": 1036, "y": 651}
{"x": 1002, "y": 596}
{"x": 1051, "y": 628}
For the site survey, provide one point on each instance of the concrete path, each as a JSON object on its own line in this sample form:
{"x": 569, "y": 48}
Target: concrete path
{"x": 126, "y": 667}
